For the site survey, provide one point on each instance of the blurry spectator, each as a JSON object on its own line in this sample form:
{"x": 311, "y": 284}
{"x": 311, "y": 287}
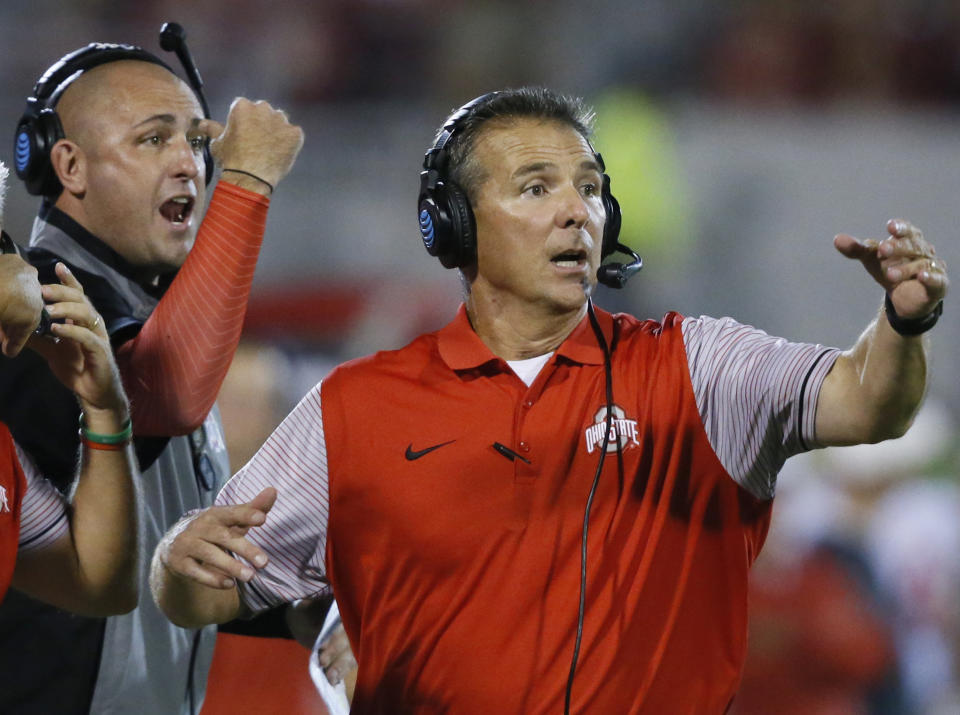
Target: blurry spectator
{"x": 855, "y": 598}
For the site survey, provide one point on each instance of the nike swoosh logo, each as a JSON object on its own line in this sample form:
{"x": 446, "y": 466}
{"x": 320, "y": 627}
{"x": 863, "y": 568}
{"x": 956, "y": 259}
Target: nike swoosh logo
{"x": 412, "y": 455}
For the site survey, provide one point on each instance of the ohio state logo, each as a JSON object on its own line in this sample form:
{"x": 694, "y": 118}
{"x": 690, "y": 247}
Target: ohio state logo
{"x": 622, "y": 431}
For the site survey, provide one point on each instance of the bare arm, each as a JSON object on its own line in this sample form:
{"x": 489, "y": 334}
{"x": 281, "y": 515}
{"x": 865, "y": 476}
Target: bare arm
{"x": 194, "y": 571}
{"x": 875, "y": 388}
{"x": 92, "y": 568}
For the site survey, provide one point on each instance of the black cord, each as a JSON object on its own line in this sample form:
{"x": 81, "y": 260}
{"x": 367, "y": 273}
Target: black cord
{"x": 608, "y": 376}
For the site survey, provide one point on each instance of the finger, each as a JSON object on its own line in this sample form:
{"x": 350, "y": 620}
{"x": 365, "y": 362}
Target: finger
{"x": 265, "y": 500}
{"x": 82, "y": 313}
{"x": 237, "y": 516}
{"x": 203, "y": 574}
{"x": 54, "y": 293}
{"x": 936, "y": 283}
{"x": 343, "y": 664}
{"x": 79, "y": 334}
{"x": 853, "y": 247}
{"x": 909, "y": 270}
{"x": 901, "y": 228}
{"x": 66, "y": 277}
{"x": 334, "y": 647}
{"x": 907, "y": 247}
{"x": 209, "y": 555}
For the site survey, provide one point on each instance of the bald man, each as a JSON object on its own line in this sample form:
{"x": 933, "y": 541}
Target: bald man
{"x": 125, "y": 216}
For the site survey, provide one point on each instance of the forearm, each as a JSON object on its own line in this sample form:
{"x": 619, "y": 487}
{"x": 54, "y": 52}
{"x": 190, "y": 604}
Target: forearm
{"x": 174, "y": 368}
{"x": 189, "y": 604}
{"x": 105, "y": 523}
{"x": 875, "y": 388}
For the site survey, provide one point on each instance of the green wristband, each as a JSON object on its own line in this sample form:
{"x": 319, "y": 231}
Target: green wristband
{"x": 120, "y": 437}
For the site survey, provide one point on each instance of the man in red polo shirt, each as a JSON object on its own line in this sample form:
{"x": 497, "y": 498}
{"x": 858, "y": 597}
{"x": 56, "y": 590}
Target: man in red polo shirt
{"x": 544, "y": 507}
{"x": 79, "y": 555}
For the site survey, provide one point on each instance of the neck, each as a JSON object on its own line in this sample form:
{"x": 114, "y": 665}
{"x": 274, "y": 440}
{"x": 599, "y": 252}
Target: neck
{"x": 520, "y": 331}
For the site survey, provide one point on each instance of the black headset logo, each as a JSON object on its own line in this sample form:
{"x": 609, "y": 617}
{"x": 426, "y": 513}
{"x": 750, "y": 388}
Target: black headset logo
{"x": 40, "y": 128}
{"x": 447, "y": 224}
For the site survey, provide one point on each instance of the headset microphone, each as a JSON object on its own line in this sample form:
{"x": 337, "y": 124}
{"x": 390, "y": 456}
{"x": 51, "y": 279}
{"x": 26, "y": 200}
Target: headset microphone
{"x": 616, "y": 275}
{"x": 173, "y": 38}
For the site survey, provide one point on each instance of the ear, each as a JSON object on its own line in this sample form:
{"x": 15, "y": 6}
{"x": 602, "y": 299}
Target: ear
{"x": 70, "y": 164}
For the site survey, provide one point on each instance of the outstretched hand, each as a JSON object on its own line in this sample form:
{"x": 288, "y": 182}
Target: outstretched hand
{"x": 79, "y": 354}
{"x": 904, "y": 263}
{"x": 201, "y": 547}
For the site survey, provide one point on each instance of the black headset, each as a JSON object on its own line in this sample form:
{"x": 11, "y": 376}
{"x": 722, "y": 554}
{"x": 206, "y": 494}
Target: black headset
{"x": 447, "y": 224}
{"x": 40, "y": 128}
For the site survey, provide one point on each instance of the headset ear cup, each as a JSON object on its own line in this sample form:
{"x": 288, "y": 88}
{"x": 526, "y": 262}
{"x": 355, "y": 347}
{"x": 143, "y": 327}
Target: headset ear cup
{"x": 49, "y": 131}
{"x": 611, "y": 227}
{"x": 35, "y": 137}
{"x": 25, "y": 152}
{"x": 463, "y": 241}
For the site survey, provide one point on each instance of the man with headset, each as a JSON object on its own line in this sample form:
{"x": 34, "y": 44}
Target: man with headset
{"x": 543, "y": 506}
{"x": 115, "y": 144}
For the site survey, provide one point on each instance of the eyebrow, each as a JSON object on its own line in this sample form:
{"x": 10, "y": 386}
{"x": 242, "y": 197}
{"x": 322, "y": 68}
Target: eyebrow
{"x": 167, "y": 119}
{"x": 538, "y": 166}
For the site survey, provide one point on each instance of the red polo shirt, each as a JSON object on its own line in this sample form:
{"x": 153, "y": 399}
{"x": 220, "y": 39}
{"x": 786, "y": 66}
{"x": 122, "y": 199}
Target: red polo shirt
{"x": 458, "y": 571}
{"x": 443, "y": 498}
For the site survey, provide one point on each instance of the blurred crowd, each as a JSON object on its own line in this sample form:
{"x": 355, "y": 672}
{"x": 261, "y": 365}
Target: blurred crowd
{"x": 892, "y": 51}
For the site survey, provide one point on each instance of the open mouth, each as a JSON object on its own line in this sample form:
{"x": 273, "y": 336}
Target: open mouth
{"x": 178, "y": 209}
{"x": 569, "y": 259}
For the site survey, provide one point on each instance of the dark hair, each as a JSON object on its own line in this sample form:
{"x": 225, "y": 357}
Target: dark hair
{"x": 522, "y": 103}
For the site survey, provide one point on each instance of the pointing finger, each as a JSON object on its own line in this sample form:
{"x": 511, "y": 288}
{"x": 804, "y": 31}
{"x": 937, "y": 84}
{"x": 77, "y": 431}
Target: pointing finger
{"x": 855, "y": 248}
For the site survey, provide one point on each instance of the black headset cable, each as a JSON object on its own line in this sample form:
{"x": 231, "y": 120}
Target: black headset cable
{"x": 608, "y": 377}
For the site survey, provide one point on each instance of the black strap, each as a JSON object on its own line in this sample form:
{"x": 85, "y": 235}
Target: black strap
{"x": 911, "y": 326}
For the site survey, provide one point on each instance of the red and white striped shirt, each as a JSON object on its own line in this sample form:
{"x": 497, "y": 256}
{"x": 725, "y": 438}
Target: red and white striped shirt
{"x": 43, "y": 514}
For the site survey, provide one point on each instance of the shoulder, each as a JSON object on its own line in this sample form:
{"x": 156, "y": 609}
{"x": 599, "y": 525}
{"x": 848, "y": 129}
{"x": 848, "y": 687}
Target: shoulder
{"x": 388, "y": 363}
{"x": 633, "y": 331}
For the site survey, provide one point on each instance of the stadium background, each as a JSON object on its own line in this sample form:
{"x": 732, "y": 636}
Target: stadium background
{"x": 740, "y": 137}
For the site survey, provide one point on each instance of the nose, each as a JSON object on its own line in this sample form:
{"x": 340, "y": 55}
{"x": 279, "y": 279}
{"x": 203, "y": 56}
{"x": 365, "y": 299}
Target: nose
{"x": 186, "y": 162}
{"x": 573, "y": 210}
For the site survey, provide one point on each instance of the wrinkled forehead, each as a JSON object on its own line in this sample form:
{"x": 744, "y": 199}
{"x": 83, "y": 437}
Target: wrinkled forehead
{"x": 504, "y": 141}
{"x": 119, "y": 93}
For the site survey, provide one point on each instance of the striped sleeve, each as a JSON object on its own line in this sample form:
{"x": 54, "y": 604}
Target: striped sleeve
{"x": 43, "y": 512}
{"x": 173, "y": 369}
{"x": 294, "y": 536}
{"x": 756, "y": 394}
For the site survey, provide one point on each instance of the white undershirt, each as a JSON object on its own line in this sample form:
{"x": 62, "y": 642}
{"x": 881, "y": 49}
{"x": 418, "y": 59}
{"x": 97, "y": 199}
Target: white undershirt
{"x": 528, "y": 369}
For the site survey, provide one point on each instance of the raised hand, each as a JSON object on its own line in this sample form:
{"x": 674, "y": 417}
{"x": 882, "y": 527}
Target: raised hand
{"x": 257, "y": 139}
{"x": 905, "y": 264}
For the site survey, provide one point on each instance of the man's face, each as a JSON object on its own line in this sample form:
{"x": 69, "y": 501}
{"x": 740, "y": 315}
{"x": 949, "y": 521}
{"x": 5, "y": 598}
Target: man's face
{"x": 143, "y": 184}
{"x": 539, "y": 215}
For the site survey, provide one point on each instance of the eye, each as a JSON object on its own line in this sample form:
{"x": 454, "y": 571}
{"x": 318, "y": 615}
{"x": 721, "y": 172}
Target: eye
{"x": 536, "y": 190}
{"x": 590, "y": 189}
{"x": 197, "y": 142}
{"x": 153, "y": 139}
